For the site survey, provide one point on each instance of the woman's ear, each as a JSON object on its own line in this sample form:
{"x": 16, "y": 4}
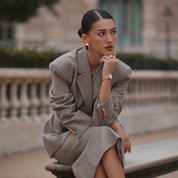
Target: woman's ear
{"x": 84, "y": 38}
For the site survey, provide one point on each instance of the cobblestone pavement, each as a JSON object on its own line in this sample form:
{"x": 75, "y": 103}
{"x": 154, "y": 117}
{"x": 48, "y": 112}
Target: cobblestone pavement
{"x": 31, "y": 164}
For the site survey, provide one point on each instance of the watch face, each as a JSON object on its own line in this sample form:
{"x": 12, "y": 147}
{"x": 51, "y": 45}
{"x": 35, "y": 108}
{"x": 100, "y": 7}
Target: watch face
{"x": 110, "y": 76}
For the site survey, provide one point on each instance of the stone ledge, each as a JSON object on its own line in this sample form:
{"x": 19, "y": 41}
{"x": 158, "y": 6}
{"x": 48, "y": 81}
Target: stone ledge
{"x": 148, "y": 160}
{"x": 152, "y": 160}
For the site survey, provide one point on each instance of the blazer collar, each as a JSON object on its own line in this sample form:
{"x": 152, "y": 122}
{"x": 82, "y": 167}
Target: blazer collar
{"x": 83, "y": 62}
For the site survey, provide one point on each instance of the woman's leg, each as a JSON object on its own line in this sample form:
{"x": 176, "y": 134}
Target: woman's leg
{"x": 112, "y": 164}
{"x": 100, "y": 172}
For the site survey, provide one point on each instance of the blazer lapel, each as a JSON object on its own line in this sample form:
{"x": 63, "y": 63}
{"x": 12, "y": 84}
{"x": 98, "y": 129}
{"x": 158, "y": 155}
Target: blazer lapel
{"x": 84, "y": 78}
{"x": 97, "y": 80}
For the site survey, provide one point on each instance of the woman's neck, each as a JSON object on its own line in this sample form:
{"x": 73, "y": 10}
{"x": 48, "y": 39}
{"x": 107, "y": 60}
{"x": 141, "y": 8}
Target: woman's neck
{"x": 94, "y": 60}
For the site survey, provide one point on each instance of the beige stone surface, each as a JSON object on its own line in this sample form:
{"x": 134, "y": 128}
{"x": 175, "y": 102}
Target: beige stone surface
{"x": 31, "y": 164}
{"x": 46, "y": 31}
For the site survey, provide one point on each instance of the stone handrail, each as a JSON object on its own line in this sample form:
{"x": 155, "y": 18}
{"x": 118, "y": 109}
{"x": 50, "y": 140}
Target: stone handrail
{"x": 24, "y": 92}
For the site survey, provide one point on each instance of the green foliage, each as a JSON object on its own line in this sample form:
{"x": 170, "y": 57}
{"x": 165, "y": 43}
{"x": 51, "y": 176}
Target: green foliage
{"x": 26, "y": 58}
{"x": 21, "y": 10}
{"x": 140, "y": 61}
{"x": 33, "y": 59}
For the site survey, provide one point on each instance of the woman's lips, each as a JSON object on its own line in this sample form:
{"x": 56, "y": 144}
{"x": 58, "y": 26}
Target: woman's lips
{"x": 109, "y": 48}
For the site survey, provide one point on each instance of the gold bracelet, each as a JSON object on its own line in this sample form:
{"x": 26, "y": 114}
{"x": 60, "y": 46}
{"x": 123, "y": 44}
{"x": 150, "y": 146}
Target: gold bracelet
{"x": 107, "y": 77}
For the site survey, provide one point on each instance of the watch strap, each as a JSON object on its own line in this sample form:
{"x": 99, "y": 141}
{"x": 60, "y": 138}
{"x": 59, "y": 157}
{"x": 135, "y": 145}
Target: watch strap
{"x": 107, "y": 77}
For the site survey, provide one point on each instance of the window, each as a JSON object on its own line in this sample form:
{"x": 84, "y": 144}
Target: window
{"x": 6, "y": 33}
{"x": 127, "y": 15}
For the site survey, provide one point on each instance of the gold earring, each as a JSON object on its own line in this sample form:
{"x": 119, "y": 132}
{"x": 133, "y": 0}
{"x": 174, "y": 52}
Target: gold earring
{"x": 87, "y": 46}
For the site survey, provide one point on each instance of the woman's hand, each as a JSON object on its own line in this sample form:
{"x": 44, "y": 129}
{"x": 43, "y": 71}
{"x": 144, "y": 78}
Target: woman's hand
{"x": 125, "y": 139}
{"x": 110, "y": 63}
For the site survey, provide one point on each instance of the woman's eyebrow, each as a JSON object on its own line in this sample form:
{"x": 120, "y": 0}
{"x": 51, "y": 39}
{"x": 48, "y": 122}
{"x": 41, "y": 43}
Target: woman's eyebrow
{"x": 105, "y": 29}
{"x": 114, "y": 28}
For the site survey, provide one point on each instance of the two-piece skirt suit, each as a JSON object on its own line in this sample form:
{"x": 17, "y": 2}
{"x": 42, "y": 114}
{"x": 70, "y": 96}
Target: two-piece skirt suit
{"x": 68, "y": 135}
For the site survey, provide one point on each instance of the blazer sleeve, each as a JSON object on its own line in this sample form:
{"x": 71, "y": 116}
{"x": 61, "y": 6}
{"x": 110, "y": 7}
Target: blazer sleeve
{"x": 108, "y": 111}
{"x": 63, "y": 103}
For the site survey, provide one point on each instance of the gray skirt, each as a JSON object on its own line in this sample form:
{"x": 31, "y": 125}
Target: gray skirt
{"x": 84, "y": 154}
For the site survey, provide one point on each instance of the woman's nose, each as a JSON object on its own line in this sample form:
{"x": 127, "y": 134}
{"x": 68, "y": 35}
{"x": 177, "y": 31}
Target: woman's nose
{"x": 109, "y": 38}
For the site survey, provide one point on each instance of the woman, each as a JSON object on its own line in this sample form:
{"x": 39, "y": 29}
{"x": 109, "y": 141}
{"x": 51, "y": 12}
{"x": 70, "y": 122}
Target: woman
{"x": 86, "y": 95}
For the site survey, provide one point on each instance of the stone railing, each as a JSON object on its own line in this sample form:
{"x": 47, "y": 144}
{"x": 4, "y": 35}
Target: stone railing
{"x": 24, "y": 94}
{"x": 152, "y": 99}
{"x": 152, "y": 86}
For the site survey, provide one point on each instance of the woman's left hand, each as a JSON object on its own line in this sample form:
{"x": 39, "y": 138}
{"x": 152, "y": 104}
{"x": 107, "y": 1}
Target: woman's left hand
{"x": 125, "y": 139}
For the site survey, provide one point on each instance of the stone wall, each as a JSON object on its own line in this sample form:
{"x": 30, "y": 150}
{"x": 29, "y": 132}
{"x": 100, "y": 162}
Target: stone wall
{"x": 47, "y": 31}
{"x": 154, "y": 32}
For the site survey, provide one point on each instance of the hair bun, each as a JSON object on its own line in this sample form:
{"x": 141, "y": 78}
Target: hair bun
{"x": 80, "y": 31}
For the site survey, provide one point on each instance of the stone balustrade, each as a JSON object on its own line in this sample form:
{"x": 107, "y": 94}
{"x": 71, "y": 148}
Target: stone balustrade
{"x": 24, "y": 94}
{"x": 152, "y": 86}
{"x": 24, "y": 104}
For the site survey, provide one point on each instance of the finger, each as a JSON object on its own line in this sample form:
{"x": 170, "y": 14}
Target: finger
{"x": 115, "y": 54}
{"x": 101, "y": 61}
{"x": 125, "y": 149}
{"x": 129, "y": 147}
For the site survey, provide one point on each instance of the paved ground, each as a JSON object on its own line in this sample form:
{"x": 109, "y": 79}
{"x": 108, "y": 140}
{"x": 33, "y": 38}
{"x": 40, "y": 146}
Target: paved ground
{"x": 31, "y": 164}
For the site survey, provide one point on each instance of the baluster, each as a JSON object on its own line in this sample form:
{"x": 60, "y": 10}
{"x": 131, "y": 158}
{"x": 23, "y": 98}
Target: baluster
{"x": 166, "y": 84}
{"x": 133, "y": 92}
{"x": 142, "y": 89}
{"x": 161, "y": 88}
{"x": 14, "y": 102}
{"x": 137, "y": 92}
{"x": 176, "y": 88}
{"x": 24, "y": 101}
{"x": 34, "y": 101}
{"x": 44, "y": 100}
{"x": 152, "y": 91}
{"x": 4, "y": 103}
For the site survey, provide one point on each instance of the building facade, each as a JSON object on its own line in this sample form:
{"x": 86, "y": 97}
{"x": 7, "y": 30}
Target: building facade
{"x": 143, "y": 26}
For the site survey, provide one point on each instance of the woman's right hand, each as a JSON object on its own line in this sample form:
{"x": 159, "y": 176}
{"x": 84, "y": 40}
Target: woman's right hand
{"x": 110, "y": 63}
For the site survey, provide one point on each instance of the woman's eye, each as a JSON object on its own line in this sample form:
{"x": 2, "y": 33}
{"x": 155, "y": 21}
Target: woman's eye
{"x": 101, "y": 34}
{"x": 113, "y": 32}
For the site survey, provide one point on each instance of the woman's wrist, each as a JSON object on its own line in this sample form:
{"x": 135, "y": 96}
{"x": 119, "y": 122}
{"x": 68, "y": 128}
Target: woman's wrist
{"x": 113, "y": 126}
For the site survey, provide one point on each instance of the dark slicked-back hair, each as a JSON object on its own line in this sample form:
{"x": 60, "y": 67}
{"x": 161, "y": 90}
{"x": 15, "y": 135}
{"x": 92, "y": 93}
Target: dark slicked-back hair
{"x": 91, "y": 17}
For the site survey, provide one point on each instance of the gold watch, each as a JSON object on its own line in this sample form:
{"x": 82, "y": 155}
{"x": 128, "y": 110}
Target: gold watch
{"x": 107, "y": 77}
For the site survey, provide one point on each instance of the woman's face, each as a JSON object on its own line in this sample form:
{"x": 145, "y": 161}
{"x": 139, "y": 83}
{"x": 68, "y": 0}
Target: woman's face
{"x": 102, "y": 37}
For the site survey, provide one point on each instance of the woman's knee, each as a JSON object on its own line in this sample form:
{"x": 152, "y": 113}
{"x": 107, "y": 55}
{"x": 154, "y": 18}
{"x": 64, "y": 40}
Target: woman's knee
{"x": 100, "y": 173}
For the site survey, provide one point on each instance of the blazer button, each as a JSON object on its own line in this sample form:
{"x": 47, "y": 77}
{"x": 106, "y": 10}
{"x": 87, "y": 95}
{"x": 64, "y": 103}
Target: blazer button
{"x": 69, "y": 129}
{"x": 74, "y": 133}
{"x": 104, "y": 112}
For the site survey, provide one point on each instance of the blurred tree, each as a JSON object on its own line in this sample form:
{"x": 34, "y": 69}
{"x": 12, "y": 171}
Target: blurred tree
{"x": 21, "y": 10}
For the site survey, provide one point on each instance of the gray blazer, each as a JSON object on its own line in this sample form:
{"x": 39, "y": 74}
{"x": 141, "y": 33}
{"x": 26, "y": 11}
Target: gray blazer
{"x": 74, "y": 98}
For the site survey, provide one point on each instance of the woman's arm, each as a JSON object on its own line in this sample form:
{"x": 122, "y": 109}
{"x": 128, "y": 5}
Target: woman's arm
{"x": 108, "y": 104}
{"x": 108, "y": 68}
{"x": 63, "y": 103}
{"x": 105, "y": 92}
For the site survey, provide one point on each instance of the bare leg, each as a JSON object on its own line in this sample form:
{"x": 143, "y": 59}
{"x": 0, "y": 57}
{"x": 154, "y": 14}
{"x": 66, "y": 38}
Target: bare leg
{"x": 112, "y": 164}
{"x": 100, "y": 172}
